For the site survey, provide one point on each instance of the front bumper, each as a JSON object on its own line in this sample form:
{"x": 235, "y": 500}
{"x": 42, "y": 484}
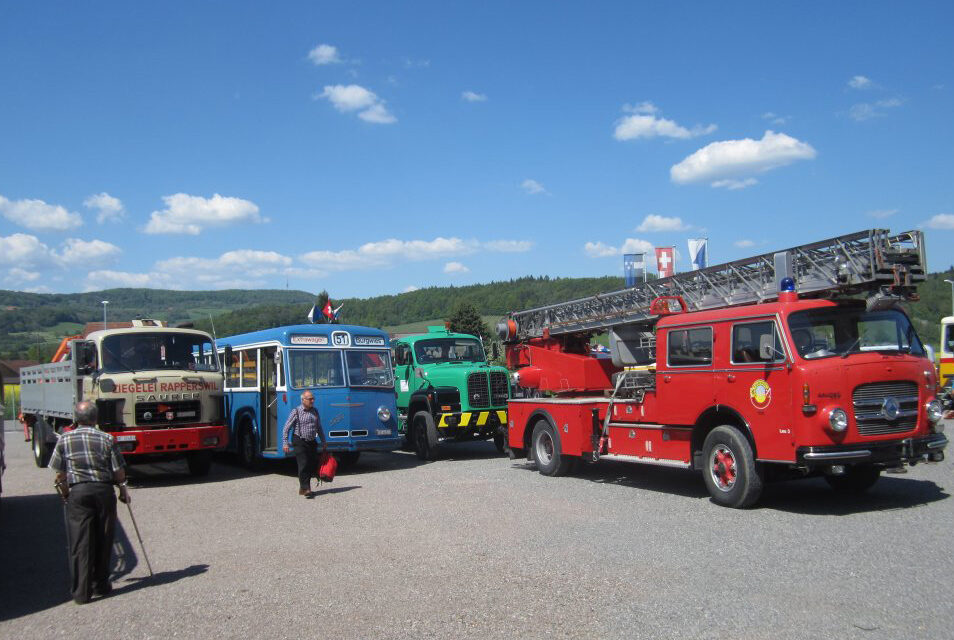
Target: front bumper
{"x": 473, "y": 425}
{"x": 134, "y": 442}
{"x": 891, "y": 453}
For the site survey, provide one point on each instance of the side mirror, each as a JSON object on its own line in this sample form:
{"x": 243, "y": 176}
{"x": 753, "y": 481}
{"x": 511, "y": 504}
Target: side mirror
{"x": 228, "y": 355}
{"x": 84, "y": 355}
{"x": 767, "y": 350}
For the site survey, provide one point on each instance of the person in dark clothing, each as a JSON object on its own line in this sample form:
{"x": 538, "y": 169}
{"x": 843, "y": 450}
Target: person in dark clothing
{"x": 87, "y": 464}
{"x": 304, "y": 425}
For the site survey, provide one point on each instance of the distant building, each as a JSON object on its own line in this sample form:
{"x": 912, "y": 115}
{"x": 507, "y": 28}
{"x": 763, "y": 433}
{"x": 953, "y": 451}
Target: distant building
{"x": 10, "y": 370}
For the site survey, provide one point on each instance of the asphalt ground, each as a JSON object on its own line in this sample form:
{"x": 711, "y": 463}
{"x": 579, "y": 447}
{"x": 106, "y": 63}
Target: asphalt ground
{"x": 478, "y": 546}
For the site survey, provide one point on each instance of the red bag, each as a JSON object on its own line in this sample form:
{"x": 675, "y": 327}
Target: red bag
{"x": 327, "y": 466}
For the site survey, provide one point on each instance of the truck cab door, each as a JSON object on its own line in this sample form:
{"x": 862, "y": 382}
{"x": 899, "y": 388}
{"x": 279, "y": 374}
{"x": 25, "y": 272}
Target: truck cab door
{"x": 404, "y": 380}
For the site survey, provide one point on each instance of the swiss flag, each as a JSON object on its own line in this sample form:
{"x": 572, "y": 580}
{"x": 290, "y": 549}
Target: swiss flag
{"x": 328, "y": 312}
{"x": 664, "y": 261}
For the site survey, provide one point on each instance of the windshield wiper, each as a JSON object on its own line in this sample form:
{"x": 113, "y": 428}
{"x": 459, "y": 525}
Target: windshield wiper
{"x": 118, "y": 360}
{"x": 849, "y": 349}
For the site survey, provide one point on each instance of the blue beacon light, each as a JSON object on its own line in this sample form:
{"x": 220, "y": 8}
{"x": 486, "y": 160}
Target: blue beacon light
{"x": 787, "y": 284}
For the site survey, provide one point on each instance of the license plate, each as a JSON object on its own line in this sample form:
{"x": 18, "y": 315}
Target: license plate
{"x": 125, "y": 438}
{"x": 186, "y": 414}
{"x": 383, "y": 432}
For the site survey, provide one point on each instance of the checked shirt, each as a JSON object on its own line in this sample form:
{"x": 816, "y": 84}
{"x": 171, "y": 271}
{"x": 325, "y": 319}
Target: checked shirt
{"x": 87, "y": 454}
{"x": 304, "y": 423}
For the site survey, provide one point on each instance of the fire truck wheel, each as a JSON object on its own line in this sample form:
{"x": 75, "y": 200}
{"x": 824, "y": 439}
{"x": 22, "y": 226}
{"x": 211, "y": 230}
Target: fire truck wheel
{"x": 856, "y": 479}
{"x": 546, "y": 451}
{"x": 248, "y": 456}
{"x": 424, "y": 436}
{"x": 199, "y": 463}
{"x": 41, "y": 450}
{"x": 730, "y": 472}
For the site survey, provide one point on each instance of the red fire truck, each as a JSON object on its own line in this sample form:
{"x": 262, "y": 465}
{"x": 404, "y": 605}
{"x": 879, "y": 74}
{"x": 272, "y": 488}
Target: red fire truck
{"x": 793, "y": 364}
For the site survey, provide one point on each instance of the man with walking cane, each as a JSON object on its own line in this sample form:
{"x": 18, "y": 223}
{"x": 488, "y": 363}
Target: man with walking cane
{"x": 87, "y": 464}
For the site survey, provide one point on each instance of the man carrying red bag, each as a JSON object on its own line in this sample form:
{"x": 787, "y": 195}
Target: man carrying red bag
{"x": 304, "y": 426}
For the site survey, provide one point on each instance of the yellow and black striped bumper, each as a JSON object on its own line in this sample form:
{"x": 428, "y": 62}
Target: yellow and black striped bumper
{"x": 471, "y": 418}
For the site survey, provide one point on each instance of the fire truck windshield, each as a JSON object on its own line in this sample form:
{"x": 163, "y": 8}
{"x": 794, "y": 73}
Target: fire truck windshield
{"x": 145, "y": 351}
{"x": 841, "y": 331}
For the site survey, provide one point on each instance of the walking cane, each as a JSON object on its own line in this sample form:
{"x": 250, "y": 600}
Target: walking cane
{"x": 141, "y": 545}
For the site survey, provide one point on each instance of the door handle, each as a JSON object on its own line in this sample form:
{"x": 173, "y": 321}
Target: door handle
{"x": 730, "y": 377}
{"x": 667, "y": 378}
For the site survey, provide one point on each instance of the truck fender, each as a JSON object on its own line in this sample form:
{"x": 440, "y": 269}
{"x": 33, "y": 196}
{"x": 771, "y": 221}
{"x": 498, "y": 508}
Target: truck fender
{"x": 539, "y": 414}
{"x": 417, "y": 401}
{"x": 713, "y": 417}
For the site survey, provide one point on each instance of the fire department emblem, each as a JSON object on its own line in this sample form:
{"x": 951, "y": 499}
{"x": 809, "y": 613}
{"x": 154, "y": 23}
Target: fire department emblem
{"x": 761, "y": 394}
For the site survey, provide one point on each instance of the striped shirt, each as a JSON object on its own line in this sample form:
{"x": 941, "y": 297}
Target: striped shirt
{"x": 86, "y": 454}
{"x": 303, "y": 423}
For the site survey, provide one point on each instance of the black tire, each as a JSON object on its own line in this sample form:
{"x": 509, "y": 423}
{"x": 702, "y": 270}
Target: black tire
{"x": 247, "y": 449}
{"x": 545, "y": 444}
{"x": 856, "y": 479}
{"x": 199, "y": 463}
{"x": 731, "y": 474}
{"x": 347, "y": 459}
{"x": 41, "y": 450}
{"x": 424, "y": 436}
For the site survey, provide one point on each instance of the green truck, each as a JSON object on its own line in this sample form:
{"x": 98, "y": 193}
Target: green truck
{"x": 447, "y": 391}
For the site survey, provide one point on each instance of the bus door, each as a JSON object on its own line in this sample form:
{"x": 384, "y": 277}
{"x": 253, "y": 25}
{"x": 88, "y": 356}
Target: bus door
{"x": 271, "y": 365}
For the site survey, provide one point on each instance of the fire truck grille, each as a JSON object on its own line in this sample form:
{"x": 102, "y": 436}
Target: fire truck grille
{"x": 167, "y": 413}
{"x": 499, "y": 388}
{"x": 478, "y": 390}
{"x": 873, "y": 407}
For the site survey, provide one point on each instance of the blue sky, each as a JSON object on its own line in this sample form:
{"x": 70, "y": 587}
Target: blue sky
{"x": 376, "y": 147}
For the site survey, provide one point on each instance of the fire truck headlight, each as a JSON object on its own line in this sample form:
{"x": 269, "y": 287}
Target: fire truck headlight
{"x": 934, "y": 410}
{"x": 106, "y": 385}
{"x": 210, "y": 441}
{"x": 384, "y": 414}
{"x": 838, "y": 420}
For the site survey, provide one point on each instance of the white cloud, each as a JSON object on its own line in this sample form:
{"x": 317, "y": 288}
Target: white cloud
{"x": 943, "y": 221}
{"x": 386, "y": 253}
{"x": 108, "y": 207}
{"x": 644, "y": 123}
{"x": 470, "y": 96}
{"x": 860, "y": 82}
{"x": 185, "y": 214}
{"x": 881, "y": 214}
{"x": 743, "y": 244}
{"x": 353, "y": 97}
{"x": 868, "y": 110}
{"x": 732, "y": 185}
{"x": 409, "y": 288}
{"x": 239, "y": 269}
{"x": 377, "y": 114}
{"x": 37, "y": 215}
{"x": 654, "y": 222}
{"x": 508, "y": 246}
{"x": 455, "y": 267}
{"x": 324, "y": 54}
{"x": 533, "y": 187}
{"x": 17, "y": 277}
{"x": 631, "y": 245}
{"x": 21, "y": 249}
{"x": 774, "y": 118}
{"x": 82, "y": 253}
{"x": 731, "y": 163}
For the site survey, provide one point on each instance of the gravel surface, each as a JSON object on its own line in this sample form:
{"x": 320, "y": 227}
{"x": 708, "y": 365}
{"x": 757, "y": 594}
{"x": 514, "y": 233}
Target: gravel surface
{"x": 478, "y": 546}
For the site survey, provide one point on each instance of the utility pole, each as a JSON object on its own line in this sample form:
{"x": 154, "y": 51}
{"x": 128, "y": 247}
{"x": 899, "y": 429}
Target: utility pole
{"x": 105, "y": 302}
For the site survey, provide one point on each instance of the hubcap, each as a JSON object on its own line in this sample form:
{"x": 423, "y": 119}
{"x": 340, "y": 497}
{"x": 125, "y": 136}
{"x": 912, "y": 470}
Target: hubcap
{"x": 544, "y": 448}
{"x": 722, "y": 467}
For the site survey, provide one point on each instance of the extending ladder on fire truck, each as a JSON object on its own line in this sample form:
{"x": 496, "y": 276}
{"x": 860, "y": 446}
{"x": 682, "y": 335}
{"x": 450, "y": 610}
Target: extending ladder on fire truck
{"x": 874, "y": 262}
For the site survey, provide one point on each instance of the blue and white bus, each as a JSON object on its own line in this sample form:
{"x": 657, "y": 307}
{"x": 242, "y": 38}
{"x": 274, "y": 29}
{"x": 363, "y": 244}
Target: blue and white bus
{"x": 348, "y": 368}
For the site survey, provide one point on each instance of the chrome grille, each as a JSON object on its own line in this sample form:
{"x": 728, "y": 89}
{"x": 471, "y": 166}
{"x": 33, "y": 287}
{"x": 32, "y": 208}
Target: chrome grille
{"x": 868, "y": 400}
{"x": 499, "y": 388}
{"x": 478, "y": 391}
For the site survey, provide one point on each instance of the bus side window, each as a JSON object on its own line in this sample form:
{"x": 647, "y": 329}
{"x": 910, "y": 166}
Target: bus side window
{"x": 232, "y": 380}
{"x": 250, "y": 368}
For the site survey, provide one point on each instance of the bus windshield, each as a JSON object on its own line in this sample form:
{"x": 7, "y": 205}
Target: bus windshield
{"x": 315, "y": 368}
{"x": 820, "y": 333}
{"x": 144, "y": 351}
{"x": 449, "y": 350}
{"x": 369, "y": 369}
